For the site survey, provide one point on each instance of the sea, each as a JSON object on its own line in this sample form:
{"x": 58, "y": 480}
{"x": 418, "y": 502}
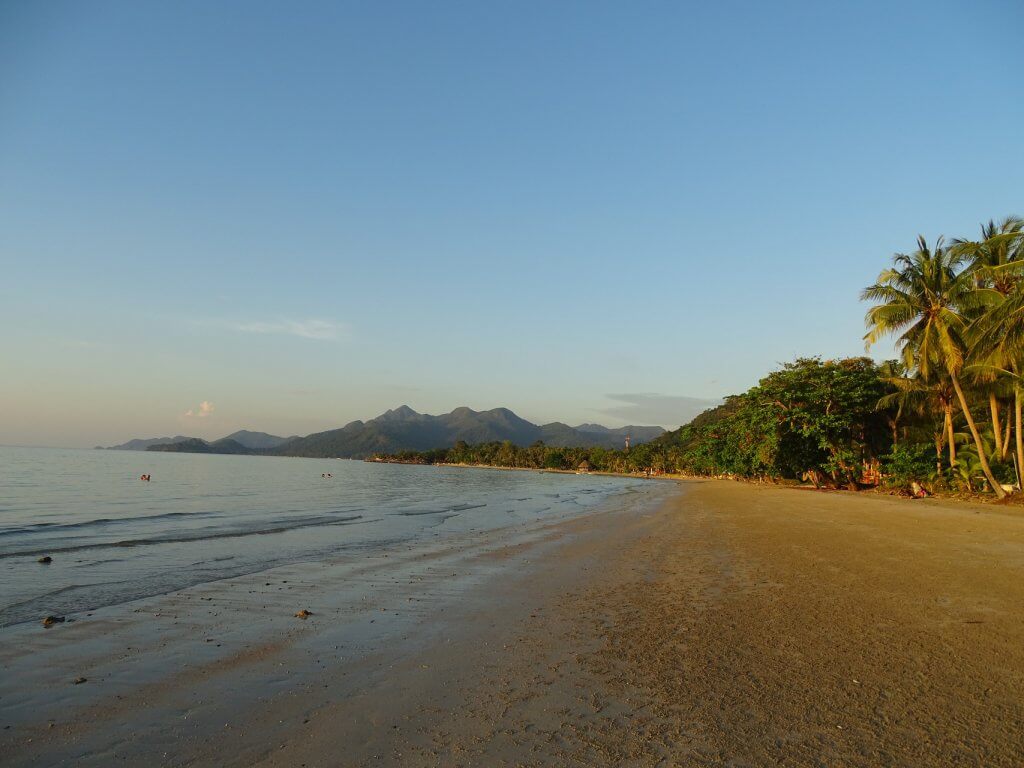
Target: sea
{"x": 113, "y": 538}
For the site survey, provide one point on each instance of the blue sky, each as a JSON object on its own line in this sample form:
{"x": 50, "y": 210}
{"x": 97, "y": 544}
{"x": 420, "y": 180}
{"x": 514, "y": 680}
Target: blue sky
{"x": 304, "y": 214}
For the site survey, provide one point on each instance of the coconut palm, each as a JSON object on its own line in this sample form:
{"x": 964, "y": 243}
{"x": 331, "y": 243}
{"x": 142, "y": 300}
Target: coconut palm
{"x": 996, "y": 261}
{"x": 999, "y": 350}
{"x": 928, "y": 300}
{"x": 1011, "y": 376}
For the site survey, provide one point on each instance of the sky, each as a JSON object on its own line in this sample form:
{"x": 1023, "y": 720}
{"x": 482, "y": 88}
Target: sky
{"x": 284, "y": 217}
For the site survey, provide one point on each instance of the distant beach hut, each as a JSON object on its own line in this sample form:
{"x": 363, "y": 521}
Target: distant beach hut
{"x": 584, "y": 467}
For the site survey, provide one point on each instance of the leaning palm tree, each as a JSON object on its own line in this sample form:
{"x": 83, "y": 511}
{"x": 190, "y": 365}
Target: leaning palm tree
{"x": 926, "y": 298}
{"x": 996, "y": 261}
{"x": 999, "y": 346}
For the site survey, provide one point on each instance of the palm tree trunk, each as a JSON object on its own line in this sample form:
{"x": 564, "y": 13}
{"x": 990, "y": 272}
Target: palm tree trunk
{"x": 1006, "y": 431}
{"x": 993, "y": 406}
{"x": 949, "y": 435}
{"x": 1000, "y": 493}
{"x": 1020, "y": 436}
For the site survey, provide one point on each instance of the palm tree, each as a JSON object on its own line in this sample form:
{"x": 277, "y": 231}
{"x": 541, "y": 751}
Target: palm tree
{"x": 996, "y": 261}
{"x": 894, "y": 374}
{"x": 926, "y": 298}
{"x": 1001, "y": 336}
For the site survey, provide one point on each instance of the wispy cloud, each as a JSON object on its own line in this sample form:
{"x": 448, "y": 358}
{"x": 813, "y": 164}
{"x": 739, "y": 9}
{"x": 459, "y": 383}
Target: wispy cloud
{"x": 321, "y": 330}
{"x": 203, "y": 411}
{"x": 654, "y": 408}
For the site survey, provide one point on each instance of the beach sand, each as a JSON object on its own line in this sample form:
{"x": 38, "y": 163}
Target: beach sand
{"x": 733, "y": 625}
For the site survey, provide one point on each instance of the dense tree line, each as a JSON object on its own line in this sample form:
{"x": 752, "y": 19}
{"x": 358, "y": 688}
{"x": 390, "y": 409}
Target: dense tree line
{"x": 947, "y": 413}
{"x": 643, "y": 458}
{"x": 810, "y": 416}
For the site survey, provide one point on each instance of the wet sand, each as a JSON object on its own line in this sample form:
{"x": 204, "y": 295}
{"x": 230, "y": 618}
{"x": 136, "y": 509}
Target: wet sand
{"x": 733, "y": 625}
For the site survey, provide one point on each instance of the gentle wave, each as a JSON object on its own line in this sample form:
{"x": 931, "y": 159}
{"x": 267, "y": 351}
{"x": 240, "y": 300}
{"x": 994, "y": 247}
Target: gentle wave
{"x": 102, "y": 522}
{"x": 184, "y": 538}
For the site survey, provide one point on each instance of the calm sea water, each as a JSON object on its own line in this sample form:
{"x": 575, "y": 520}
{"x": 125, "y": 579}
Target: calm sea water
{"x": 114, "y": 538}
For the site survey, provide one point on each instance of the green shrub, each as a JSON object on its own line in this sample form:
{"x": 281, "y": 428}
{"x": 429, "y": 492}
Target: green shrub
{"x": 907, "y": 463}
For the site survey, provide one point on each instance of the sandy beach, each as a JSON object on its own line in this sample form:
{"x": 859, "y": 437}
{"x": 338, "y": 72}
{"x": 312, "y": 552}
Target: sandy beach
{"x": 729, "y": 625}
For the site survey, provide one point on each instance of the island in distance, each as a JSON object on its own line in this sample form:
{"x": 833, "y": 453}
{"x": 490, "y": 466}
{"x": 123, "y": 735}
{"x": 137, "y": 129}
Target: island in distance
{"x": 254, "y": 441}
{"x": 403, "y": 429}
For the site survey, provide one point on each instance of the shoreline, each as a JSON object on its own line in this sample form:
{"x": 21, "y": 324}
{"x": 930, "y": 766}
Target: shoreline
{"x": 730, "y": 624}
{"x": 985, "y": 500}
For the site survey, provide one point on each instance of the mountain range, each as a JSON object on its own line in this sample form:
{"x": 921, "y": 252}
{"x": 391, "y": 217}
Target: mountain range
{"x": 403, "y": 429}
